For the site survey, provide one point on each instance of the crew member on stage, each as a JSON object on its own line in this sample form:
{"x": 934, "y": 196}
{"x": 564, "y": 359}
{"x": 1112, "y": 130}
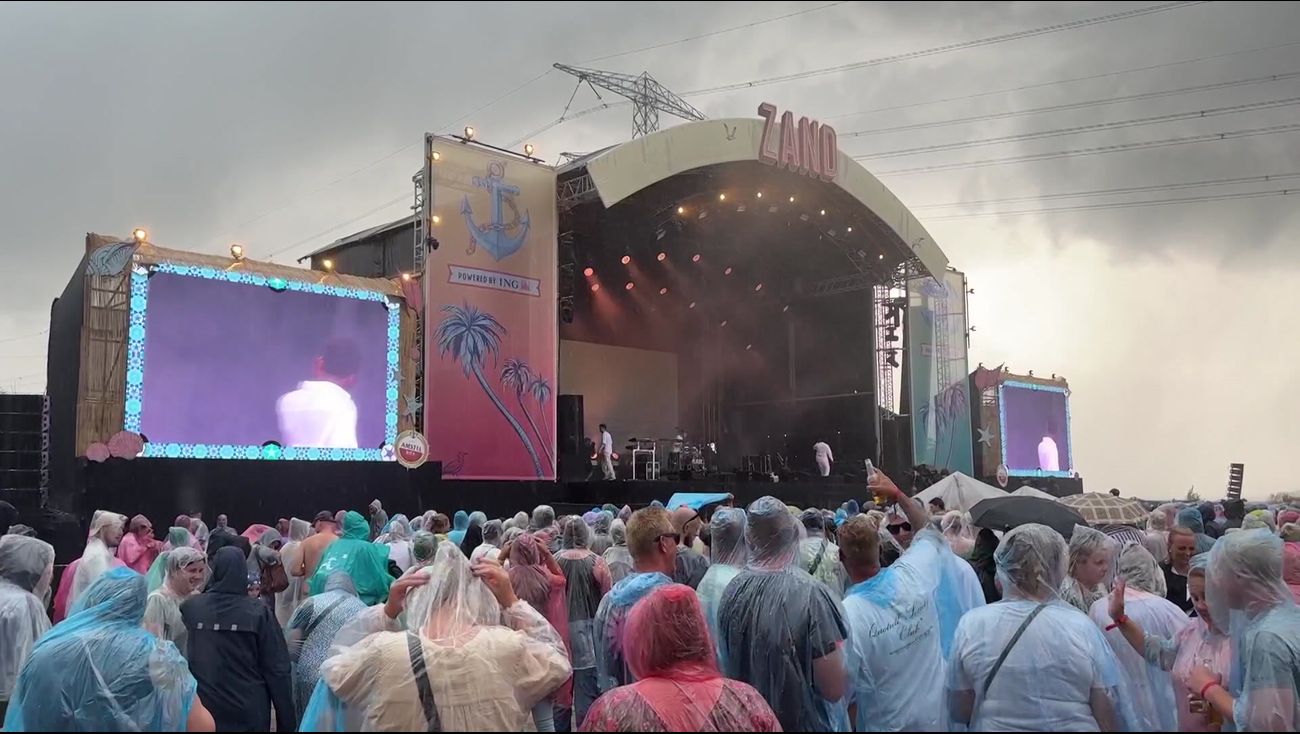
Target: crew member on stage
{"x": 824, "y": 458}
{"x": 606, "y": 454}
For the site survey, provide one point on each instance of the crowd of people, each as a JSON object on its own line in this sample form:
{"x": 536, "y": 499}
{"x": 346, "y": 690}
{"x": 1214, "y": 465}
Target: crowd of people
{"x": 880, "y": 616}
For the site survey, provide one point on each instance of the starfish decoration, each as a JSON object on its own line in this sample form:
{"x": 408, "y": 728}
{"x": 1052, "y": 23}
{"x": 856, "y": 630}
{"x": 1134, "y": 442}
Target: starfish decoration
{"x": 412, "y": 405}
{"x": 986, "y": 438}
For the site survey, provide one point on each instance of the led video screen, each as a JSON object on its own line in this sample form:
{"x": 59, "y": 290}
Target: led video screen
{"x": 1035, "y": 429}
{"x": 230, "y": 365}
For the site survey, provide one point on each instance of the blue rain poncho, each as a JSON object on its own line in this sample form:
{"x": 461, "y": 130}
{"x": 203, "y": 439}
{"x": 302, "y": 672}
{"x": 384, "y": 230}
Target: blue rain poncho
{"x": 1190, "y": 518}
{"x": 727, "y": 557}
{"x": 776, "y": 622}
{"x": 99, "y": 670}
{"x": 26, "y": 566}
{"x": 1151, "y": 686}
{"x": 611, "y": 620}
{"x": 895, "y": 653}
{"x": 362, "y": 560}
{"x": 1244, "y": 585}
{"x": 459, "y": 524}
{"x": 1060, "y": 676}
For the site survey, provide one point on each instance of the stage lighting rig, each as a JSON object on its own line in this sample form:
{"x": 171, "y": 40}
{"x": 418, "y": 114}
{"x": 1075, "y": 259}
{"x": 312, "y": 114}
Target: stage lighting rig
{"x": 140, "y": 235}
{"x": 237, "y": 251}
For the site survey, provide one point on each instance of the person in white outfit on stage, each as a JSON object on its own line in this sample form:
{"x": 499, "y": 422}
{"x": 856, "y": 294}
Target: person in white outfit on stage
{"x": 321, "y": 413}
{"x": 824, "y": 458}
{"x": 606, "y": 454}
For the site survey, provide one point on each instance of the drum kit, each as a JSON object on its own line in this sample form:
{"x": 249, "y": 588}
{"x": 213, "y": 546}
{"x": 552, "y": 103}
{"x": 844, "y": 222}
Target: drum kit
{"x": 679, "y": 455}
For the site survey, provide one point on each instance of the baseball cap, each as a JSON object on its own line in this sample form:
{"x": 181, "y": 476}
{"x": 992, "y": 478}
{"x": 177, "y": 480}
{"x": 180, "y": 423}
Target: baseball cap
{"x": 325, "y": 515}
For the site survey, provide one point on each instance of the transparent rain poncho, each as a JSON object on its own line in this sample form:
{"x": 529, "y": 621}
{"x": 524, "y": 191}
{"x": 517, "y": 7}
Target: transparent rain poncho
{"x": 691, "y": 564}
{"x": 818, "y": 555}
{"x": 1244, "y": 586}
{"x": 588, "y": 581}
{"x": 1085, "y": 545}
{"x": 162, "y": 614}
{"x": 490, "y": 548}
{"x": 26, "y": 567}
{"x": 424, "y": 545}
{"x": 398, "y": 540}
{"x": 462, "y": 660}
{"x": 287, "y": 601}
{"x": 1190, "y": 518}
{"x": 1061, "y": 675}
{"x": 728, "y": 555}
{"x": 101, "y": 671}
{"x": 618, "y": 558}
{"x": 678, "y": 685}
{"x": 311, "y": 631}
{"x": 1150, "y": 684}
{"x": 365, "y": 562}
{"x": 899, "y": 622}
{"x": 177, "y": 537}
{"x": 600, "y": 541}
{"x": 957, "y": 528}
{"x": 780, "y": 630}
{"x": 94, "y": 562}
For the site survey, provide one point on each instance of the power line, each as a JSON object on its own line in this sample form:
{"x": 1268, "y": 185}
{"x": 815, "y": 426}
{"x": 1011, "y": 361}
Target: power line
{"x": 1096, "y": 150}
{"x": 327, "y": 230}
{"x": 1266, "y": 178}
{"x": 719, "y": 32}
{"x": 1067, "y": 80}
{"x": 42, "y": 332}
{"x": 1070, "y": 105}
{"x": 947, "y": 48}
{"x": 1077, "y": 129}
{"x": 1122, "y": 204}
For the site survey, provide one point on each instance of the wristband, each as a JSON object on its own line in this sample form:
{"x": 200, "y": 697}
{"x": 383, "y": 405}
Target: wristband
{"x": 1205, "y": 689}
{"x": 1122, "y": 619}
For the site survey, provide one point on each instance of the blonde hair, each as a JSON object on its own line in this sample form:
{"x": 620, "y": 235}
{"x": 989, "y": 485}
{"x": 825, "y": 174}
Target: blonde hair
{"x": 859, "y": 540}
{"x": 644, "y": 528}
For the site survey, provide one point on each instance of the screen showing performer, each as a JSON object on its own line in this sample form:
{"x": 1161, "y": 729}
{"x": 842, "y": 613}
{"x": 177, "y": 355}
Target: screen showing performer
{"x": 242, "y": 364}
{"x": 1037, "y": 429}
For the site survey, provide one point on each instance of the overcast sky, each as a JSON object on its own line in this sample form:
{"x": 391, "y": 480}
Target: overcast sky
{"x": 286, "y": 126}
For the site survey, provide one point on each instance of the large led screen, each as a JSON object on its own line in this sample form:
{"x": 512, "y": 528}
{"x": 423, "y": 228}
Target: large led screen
{"x": 233, "y": 365}
{"x": 1035, "y": 429}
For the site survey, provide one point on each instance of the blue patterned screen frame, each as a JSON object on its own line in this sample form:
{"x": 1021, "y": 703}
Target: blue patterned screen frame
{"x": 1002, "y": 424}
{"x": 136, "y": 340}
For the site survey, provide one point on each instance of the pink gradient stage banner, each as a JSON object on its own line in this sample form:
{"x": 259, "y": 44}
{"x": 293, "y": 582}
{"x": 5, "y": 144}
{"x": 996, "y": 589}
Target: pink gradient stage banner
{"x": 492, "y": 336}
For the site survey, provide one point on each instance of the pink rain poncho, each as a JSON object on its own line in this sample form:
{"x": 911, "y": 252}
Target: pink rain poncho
{"x": 678, "y": 685}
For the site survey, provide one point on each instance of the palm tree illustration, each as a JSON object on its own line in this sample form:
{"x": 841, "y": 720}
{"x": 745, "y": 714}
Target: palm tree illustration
{"x": 517, "y": 375}
{"x": 469, "y": 335}
{"x": 541, "y": 390}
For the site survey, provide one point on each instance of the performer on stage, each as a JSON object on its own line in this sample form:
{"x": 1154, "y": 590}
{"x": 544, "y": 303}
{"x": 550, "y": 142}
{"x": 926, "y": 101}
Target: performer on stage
{"x": 606, "y": 454}
{"x": 321, "y": 413}
{"x": 824, "y": 458}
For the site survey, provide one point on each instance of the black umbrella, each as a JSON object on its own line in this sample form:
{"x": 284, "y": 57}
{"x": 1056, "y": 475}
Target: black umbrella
{"x": 1005, "y": 513}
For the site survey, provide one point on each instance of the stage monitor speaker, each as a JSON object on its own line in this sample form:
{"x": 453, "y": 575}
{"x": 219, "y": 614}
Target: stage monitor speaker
{"x": 570, "y": 424}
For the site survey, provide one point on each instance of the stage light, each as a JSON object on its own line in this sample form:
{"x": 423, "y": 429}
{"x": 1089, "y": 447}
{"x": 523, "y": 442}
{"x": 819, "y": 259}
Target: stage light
{"x": 748, "y": 347}
{"x": 758, "y": 287}
{"x": 724, "y": 323}
{"x": 882, "y": 256}
{"x": 785, "y": 308}
{"x": 727, "y": 271}
{"x": 589, "y": 272}
{"x": 626, "y": 259}
{"x": 237, "y": 251}
{"x": 528, "y": 149}
{"x": 695, "y": 258}
{"x": 791, "y": 199}
{"x": 140, "y": 235}
{"x": 406, "y": 277}
{"x": 663, "y": 291}
{"x": 437, "y": 219}
{"x": 849, "y": 230}
{"x": 692, "y": 305}
{"x": 662, "y": 256}
{"x": 469, "y": 132}
{"x": 327, "y": 263}
{"x": 595, "y": 287}
{"x": 630, "y": 285}
{"x": 823, "y": 212}
{"x": 437, "y": 156}
{"x": 722, "y": 197}
{"x": 760, "y": 194}
{"x": 681, "y": 210}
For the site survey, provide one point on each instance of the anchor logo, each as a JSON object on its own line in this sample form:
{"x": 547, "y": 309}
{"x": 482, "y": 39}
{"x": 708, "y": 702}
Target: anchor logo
{"x": 500, "y": 238}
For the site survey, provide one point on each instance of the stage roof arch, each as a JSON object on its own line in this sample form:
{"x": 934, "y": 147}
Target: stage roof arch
{"x": 619, "y": 172}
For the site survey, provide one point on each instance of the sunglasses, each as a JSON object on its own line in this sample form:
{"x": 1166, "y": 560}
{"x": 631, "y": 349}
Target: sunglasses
{"x": 677, "y": 537}
{"x": 905, "y": 527}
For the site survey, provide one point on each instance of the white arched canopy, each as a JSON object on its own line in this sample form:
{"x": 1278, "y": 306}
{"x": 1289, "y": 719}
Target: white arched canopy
{"x": 623, "y": 170}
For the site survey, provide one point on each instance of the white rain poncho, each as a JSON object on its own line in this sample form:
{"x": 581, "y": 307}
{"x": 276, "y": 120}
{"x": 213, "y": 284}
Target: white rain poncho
{"x": 287, "y": 601}
{"x": 1151, "y": 686}
{"x": 776, "y": 622}
{"x": 1060, "y": 675}
{"x": 1244, "y": 586}
{"x": 95, "y": 560}
{"x": 956, "y": 526}
{"x": 894, "y": 651}
{"x": 1085, "y": 545}
{"x": 26, "y": 566}
{"x": 491, "y": 546}
{"x": 483, "y": 668}
{"x": 727, "y": 556}
{"x": 162, "y": 612}
{"x": 618, "y": 558}
{"x": 100, "y": 670}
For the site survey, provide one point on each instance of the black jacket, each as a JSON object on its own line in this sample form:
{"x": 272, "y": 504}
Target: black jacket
{"x": 237, "y": 652}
